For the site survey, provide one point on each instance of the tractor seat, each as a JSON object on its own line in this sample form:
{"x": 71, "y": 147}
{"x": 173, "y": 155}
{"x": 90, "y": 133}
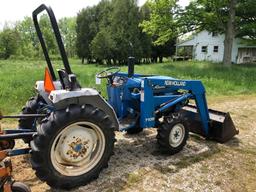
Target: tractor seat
{"x": 68, "y": 81}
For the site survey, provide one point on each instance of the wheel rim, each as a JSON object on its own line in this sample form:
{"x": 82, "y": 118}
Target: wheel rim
{"x": 177, "y": 135}
{"x": 77, "y": 148}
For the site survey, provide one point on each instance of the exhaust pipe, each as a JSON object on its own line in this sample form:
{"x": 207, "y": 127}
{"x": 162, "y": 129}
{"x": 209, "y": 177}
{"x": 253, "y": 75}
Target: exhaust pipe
{"x": 221, "y": 125}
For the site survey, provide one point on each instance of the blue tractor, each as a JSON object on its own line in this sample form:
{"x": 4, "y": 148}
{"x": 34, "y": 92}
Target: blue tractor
{"x": 71, "y": 130}
{"x": 145, "y": 101}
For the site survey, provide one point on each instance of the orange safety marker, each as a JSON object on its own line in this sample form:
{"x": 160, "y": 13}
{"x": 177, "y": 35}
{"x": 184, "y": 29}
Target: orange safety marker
{"x": 48, "y": 82}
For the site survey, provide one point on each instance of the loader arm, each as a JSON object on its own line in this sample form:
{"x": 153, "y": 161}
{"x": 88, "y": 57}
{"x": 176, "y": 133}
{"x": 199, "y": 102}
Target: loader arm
{"x": 195, "y": 90}
{"x": 212, "y": 124}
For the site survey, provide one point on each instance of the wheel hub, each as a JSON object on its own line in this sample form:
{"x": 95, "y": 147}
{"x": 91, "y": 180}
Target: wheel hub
{"x": 77, "y": 149}
{"x": 76, "y": 144}
{"x": 177, "y": 135}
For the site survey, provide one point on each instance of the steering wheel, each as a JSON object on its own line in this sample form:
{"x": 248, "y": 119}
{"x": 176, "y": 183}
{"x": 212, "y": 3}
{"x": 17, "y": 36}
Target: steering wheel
{"x": 109, "y": 72}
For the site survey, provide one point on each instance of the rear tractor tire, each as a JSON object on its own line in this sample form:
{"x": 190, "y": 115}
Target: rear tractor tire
{"x": 31, "y": 107}
{"x": 72, "y": 146}
{"x": 172, "y": 134}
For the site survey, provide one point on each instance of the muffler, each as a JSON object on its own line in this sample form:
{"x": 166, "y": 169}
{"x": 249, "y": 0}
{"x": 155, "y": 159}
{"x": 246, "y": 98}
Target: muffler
{"x": 221, "y": 125}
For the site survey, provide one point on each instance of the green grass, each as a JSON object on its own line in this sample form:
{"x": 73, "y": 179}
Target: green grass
{"x": 17, "y": 78}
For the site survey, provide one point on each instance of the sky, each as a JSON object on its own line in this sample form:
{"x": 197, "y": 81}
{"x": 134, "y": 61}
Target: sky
{"x": 14, "y": 10}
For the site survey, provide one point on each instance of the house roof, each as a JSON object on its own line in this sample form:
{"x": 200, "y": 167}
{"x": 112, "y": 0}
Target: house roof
{"x": 193, "y": 40}
{"x": 189, "y": 41}
{"x": 186, "y": 42}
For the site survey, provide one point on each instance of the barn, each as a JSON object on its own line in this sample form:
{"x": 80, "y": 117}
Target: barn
{"x": 208, "y": 46}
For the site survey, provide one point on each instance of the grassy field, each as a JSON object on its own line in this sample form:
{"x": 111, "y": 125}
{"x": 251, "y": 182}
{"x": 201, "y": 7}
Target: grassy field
{"x": 17, "y": 78}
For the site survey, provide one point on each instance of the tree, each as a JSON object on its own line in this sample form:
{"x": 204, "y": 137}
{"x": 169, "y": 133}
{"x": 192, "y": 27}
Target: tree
{"x": 103, "y": 46}
{"x": 86, "y": 30}
{"x": 9, "y": 41}
{"x": 48, "y": 34}
{"x": 28, "y": 44}
{"x": 161, "y": 34}
{"x": 125, "y": 29}
{"x": 246, "y": 23}
{"x": 113, "y": 25}
{"x": 229, "y": 33}
{"x": 68, "y": 32}
{"x": 145, "y": 39}
{"x": 161, "y": 51}
{"x": 162, "y": 24}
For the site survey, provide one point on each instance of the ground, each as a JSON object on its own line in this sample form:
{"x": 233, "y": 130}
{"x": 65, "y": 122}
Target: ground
{"x": 201, "y": 166}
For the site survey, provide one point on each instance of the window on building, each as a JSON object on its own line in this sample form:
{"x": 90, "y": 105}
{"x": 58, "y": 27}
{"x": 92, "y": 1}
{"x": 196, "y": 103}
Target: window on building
{"x": 216, "y": 49}
{"x": 204, "y": 49}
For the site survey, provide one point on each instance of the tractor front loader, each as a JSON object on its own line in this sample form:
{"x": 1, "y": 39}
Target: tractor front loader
{"x": 71, "y": 130}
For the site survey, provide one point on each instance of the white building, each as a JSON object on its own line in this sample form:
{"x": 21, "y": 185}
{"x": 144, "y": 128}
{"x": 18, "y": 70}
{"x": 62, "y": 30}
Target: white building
{"x": 207, "y": 46}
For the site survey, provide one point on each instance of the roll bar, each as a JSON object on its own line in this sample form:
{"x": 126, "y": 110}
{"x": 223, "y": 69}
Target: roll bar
{"x": 58, "y": 38}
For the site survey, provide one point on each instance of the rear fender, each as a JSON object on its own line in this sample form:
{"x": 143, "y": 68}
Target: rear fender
{"x": 40, "y": 90}
{"x": 63, "y": 98}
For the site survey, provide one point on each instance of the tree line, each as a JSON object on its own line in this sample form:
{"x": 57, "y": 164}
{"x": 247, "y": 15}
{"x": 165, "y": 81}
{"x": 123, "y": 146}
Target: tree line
{"x": 20, "y": 41}
{"x": 112, "y": 30}
{"x": 106, "y": 33}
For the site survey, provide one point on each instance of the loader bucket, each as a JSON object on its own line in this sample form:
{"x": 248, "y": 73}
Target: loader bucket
{"x": 221, "y": 126}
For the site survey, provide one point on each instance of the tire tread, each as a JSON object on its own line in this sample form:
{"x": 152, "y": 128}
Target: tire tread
{"x": 40, "y": 145}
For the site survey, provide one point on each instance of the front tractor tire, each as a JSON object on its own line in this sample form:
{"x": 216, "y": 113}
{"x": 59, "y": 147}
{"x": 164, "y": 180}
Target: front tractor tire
{"x": 172, "y": 134}
{"x": 72, "y": 146}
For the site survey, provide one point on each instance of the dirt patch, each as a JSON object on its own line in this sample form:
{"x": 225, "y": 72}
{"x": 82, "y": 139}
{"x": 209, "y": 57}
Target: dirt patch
{"x": 203, "y": 165}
